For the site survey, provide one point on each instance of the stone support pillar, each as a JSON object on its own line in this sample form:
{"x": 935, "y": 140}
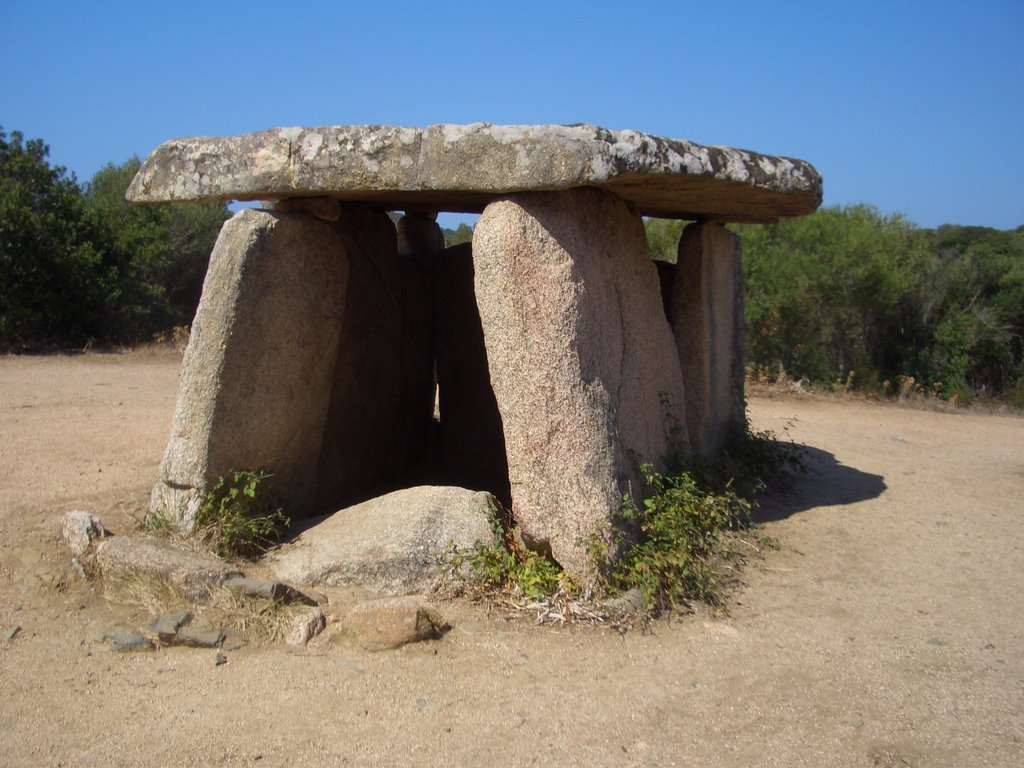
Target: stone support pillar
{"x": 576, "y": 337}
{"x": 255, "y": 379}
{"x": 707, "y": 321}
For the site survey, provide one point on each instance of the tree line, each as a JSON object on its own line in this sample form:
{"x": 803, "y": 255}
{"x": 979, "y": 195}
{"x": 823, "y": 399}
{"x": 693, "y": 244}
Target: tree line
{"x": 852, "y": 297}
{"x": 78, "y": 265}
{"x": 847, "y": 295}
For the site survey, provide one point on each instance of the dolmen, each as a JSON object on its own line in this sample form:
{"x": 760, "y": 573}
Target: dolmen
{"x": 346, "y": 350}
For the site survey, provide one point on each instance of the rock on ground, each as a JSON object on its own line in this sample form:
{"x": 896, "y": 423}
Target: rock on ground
{"x": 390, "y": 544}
{"x": 124, "y": 561}
{"x": 379, "y": 625}
{"x": 80, "y": 530}
{"x": 306, "y": 626}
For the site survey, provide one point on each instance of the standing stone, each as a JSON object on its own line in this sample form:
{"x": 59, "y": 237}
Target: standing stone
{"x": 255, "y": 379}
{"x": 472, "y": 442}
{"x": 707, "y": 321}
{"x": 364, "y": 428}
{"x": 576, "y": 339}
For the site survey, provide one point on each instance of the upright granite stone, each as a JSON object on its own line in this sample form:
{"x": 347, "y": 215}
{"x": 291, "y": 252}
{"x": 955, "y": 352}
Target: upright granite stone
{"x": 256, "y": 376}
{"x": 472, "y": 442}
{"x": 576, "y": 337}
{"x": 707, "y": 321}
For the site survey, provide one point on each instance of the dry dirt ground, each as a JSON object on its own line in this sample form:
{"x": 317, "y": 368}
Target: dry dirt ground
{"x": 885, "y": 630}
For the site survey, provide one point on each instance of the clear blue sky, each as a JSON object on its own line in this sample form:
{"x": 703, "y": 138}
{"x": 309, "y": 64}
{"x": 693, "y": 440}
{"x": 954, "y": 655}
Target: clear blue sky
{"x": 914, "y": 107}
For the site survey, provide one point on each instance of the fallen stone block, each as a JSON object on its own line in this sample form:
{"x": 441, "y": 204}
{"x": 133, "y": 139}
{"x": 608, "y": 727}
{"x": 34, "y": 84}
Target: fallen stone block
{"x": 391, "y": 544}
{"x": 123, "y": 560}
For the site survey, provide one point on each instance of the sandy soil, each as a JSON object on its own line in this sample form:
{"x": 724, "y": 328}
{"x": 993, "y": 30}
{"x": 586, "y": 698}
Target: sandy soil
{"x": 885, "y": 629}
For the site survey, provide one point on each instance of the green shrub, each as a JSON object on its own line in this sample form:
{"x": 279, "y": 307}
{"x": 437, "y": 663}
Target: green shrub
{"x": 240, "y": 517}
{"x": 501, "y": 564}
{"x": 495, "y": 566}
{"x": 670, "y": 545}
{"x": 678, "y": 527}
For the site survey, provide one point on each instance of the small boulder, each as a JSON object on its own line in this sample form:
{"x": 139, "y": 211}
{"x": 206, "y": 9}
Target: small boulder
{"x": 199, "y": 633}
{"x": 80, "y": 530}
{"x": 392, "y": 544}
{"x": 166, "y": 627}
{"x": 306, "y": 626}
{"x": 129, "y": 642}
{"x": 379, "y": 625}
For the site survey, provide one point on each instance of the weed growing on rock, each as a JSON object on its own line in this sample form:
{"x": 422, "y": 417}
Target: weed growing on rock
{"x": 239, "y": 516}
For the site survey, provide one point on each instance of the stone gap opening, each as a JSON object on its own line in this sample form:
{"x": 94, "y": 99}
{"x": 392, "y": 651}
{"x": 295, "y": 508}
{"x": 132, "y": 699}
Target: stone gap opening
{"x": 412, "y": 342}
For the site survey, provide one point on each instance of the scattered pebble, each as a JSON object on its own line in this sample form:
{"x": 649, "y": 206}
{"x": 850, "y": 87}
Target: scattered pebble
{"x": 11, "y": 633}
{"x": 129, "y": 642}
{"x": 219, "y": 658}
{"x": 306, "y": 626}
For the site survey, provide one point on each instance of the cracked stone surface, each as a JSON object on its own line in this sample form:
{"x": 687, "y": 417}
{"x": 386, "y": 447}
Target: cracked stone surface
{"x": 464, "y": 167}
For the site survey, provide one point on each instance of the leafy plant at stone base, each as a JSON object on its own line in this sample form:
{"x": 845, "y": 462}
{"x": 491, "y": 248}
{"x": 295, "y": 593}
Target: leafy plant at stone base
{"x": 502, "y": 564}
{"x": 675, "y": 545}
{"x": 240, "y": 516}
{"x": 679, "y": 528}
{"x": 749, "y": 463}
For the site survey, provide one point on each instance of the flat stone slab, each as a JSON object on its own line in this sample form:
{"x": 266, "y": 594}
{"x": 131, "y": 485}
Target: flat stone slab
{"x": 123, "y": 559}
{"x": 464, "y": 167}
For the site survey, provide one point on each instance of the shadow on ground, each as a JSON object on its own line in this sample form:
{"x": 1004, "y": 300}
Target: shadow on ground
{"x": 828, "y": 482}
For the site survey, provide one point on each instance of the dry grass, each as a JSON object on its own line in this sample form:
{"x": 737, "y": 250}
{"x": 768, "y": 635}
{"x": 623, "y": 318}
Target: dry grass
{"x": 258, "y": 619}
